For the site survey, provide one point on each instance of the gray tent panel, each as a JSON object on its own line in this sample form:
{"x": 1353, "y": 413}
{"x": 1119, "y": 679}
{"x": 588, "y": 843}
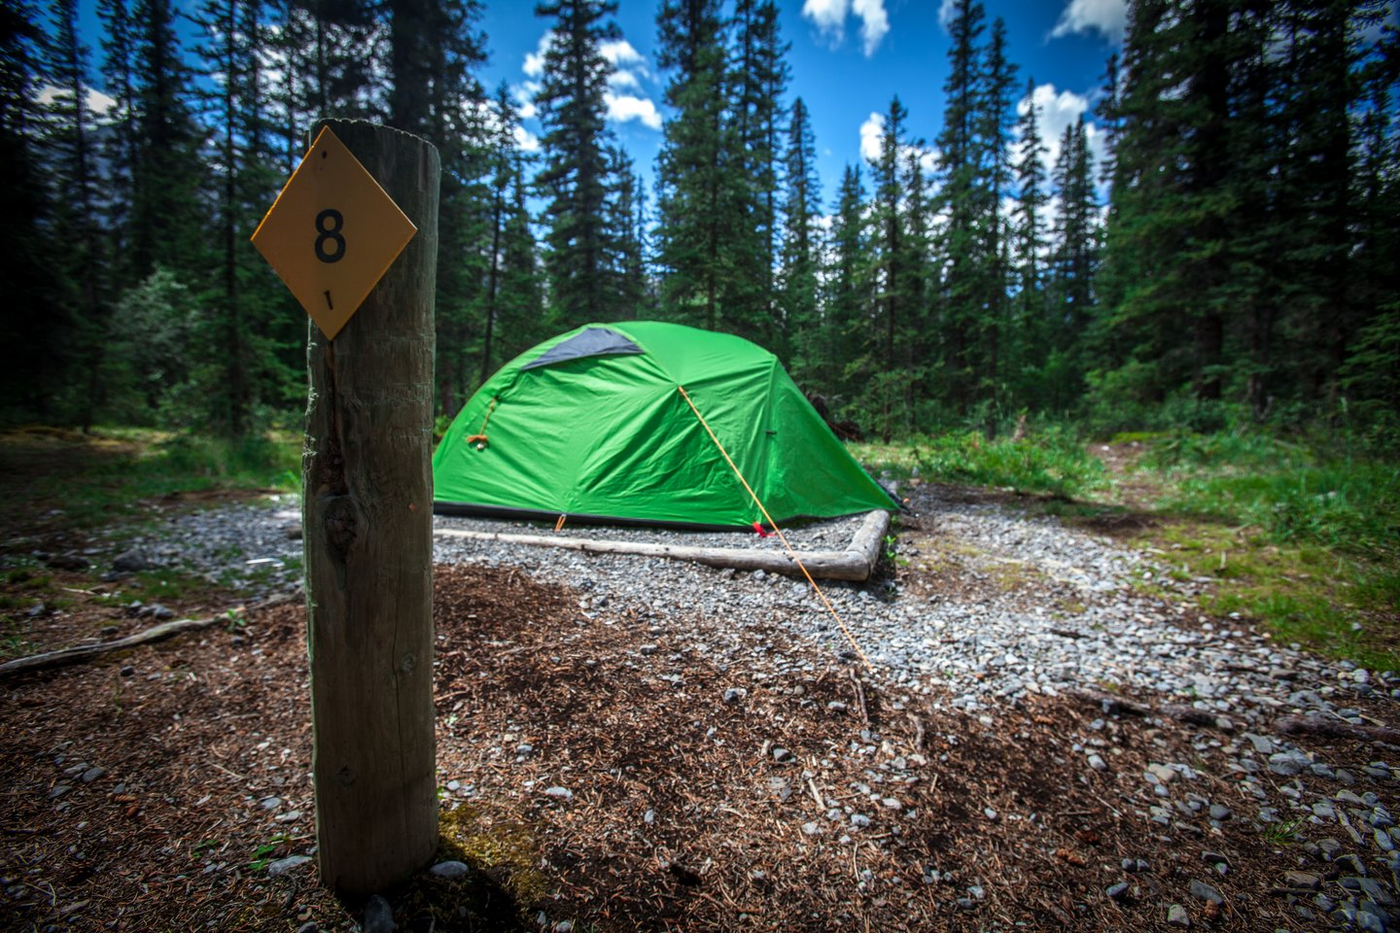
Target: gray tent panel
{"x": 593, "y": 341}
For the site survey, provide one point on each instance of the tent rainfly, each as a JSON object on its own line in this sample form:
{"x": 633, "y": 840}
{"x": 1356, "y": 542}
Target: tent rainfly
{"x": 608, "y": 423}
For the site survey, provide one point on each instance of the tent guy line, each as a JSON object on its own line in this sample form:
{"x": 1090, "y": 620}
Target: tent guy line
{"x": 779, "y": 531}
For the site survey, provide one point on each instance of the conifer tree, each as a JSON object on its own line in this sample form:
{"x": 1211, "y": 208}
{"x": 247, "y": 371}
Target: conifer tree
{"x": 1029, "y": 314}
{"x": 81, "y": 265}
{"x": 575, "y": 178}
{"x": 698, "y": 186}
{"x": 847, "y": 291}
{"x": 25, "y": 250}
{"x": 797, "y": 299}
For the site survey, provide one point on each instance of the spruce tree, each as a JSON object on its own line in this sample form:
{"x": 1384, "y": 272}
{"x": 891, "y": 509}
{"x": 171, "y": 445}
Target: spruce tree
{"x": 699, "y": 188}
{"x": 1027, "y": 350}
{"x": 797, "y": 298}
{"x": 575, "y": 178}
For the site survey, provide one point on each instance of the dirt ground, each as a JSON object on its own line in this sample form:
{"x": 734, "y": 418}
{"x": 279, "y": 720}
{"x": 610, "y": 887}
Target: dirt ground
{"x": 151, "y": 789}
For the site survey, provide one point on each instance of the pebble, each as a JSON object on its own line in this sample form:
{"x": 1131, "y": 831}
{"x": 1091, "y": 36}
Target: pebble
{"x": 1205, "y": 892}
{"x": 379, "y": 916}
{"x": 284, "y": 865}
{"x": 450, "y": 869}
{"x": 559, "y": 793}
{"x": 1117, "y": 891}
{"x": 1177, "y": 916}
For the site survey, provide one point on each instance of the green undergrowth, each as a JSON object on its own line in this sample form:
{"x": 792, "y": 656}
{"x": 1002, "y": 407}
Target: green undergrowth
{"x": 1303, "y": 538}
{"x": 1052, "y": 462}
{"x": 84, "y": 480}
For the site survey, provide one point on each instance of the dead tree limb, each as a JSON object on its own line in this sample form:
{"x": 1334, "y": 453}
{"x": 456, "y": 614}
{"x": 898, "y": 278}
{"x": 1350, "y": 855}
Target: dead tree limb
{"x": 1321, "y": 727}
{"x": 78, "y": 653}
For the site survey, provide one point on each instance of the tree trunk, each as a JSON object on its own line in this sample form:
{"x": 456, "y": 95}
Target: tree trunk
{"x": 367, "y": 511}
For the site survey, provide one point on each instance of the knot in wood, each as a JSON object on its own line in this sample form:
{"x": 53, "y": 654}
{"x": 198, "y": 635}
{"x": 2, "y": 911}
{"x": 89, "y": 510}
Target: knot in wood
{"x": 340, "y": 523}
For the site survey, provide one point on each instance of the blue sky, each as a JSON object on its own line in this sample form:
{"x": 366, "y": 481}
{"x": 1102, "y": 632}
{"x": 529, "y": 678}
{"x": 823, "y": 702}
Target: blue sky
{"x": 847, "y": 59}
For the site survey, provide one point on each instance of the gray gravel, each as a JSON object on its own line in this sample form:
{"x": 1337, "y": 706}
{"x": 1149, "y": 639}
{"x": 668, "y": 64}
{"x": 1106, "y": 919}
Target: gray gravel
{"x": 1039, "y": 607}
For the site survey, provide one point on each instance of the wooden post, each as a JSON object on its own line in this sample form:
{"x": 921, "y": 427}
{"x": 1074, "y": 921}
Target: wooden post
{"x": 367, "y": 513}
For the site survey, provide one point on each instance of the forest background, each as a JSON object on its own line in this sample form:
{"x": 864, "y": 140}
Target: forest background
{"x": 1242, "y": 271}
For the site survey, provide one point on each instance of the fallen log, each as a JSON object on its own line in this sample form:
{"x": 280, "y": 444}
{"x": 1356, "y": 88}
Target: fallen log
{"x": 1321, "y": 727}
{"x": 855, "y": 563}
{"x": 78, "y": 653}
{"x": 1121, "y": 706}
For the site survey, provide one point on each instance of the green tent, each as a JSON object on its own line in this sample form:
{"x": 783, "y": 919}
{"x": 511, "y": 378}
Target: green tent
{"x": 595, "y": 425}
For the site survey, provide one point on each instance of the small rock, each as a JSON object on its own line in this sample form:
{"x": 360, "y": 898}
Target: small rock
{"x": 1220, "y": 812}
{"x": 1301, "y": 880}
{"x": 564, "y": 926}
{"x": 860, "y": 820}
{"x": 1177, "y": 916}
{"x": 284, "y": 865}
{"x": 1117, "y": 891}
{"x": 291, "y": 816}
{"x": 1205, "y": 892}
{"x": 560, "y": 793}
{"x": 1368, "y": 922}
{"x": 59, "y": 790}
{"x": 270, "y": 803}
{"x": 308, "y": 927}
{"x": 991, "y": 814}
{"x": 1097, "y": 763}
{"x": 132, "y": 561}
{"x": 1288, "y": 763}
{"x": 735, "y": 694}
{"x": 812, "y": 829}
{"x": 128, "y": 670}
{"x": 781, "y": 755}
{"x": 92, "y": 774}
{"x": 450, "y": 869}
{"x": 379, "y": 916}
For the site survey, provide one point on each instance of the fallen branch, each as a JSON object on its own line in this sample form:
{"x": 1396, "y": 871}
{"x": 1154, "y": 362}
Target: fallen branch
{"x": 1120, "y": 706}
{"x": 1323, "y": 728}
{"x": 854, "y": 563}
{"x": 79, "y": 653}
{"x": 860, "y": 696}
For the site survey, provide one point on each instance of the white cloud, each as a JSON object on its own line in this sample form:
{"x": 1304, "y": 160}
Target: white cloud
{"x": 534, "y": 61}
{"x": 874, "y": 23}
{"x": 97, "y": 102}
{"x": 829, "y": 16}
{"x": 947, "y": 12}
{"x": 1109, "y": 17}
{"x": 623, "y": 81}
{"x": 624, "y": 107}
{"x": 870, "y": 133}
{"x": 527, "y": 141}
{"x": 1059, "y": 110}
{"x": 620, "y": 54}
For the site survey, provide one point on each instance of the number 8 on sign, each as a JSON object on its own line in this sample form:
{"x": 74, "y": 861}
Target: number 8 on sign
{"x": 328, "y": 224}
{"x": 304, "y": 235}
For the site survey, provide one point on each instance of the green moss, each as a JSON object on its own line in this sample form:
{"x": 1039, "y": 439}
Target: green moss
{"x": 504, "y": 850}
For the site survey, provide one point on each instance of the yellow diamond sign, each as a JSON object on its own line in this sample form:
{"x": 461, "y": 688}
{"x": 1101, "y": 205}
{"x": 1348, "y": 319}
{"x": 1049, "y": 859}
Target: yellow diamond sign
{"x": 332, "y": 233}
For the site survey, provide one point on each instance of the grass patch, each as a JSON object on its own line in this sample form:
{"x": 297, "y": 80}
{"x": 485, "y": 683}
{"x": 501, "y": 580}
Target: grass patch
{"x": 1052, "y": 462}
{"x": 64, "y": 478}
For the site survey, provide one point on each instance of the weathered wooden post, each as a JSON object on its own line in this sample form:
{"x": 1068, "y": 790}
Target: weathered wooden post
{"x": 367, "y": 519}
